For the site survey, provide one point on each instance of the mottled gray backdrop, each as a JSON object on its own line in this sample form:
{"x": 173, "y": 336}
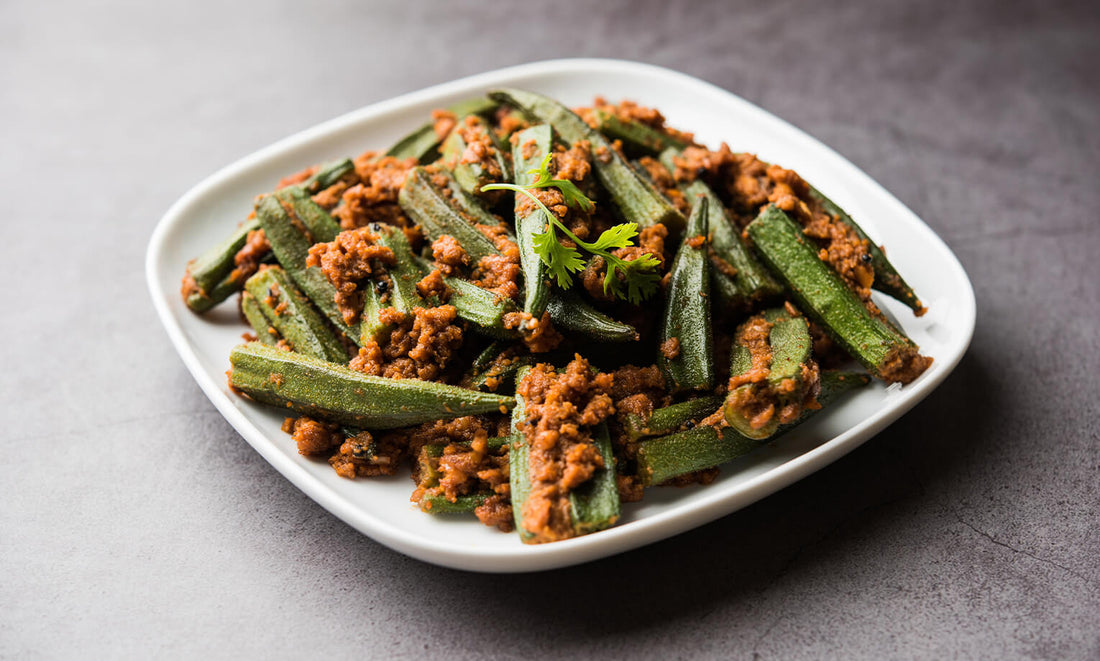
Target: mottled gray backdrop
{"x": 135, "y": 521}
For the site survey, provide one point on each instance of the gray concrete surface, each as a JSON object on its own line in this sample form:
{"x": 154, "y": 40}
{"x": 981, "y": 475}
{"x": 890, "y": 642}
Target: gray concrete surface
{"x": 134, "y": 522}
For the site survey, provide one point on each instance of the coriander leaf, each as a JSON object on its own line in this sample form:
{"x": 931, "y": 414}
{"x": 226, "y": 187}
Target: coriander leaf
{"x": 618, "y": 236}
{"x": 560, "y": 260}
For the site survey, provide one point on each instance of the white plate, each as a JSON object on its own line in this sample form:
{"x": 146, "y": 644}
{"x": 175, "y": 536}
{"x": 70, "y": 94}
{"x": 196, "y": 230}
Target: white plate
{"x": 380, "y": 508}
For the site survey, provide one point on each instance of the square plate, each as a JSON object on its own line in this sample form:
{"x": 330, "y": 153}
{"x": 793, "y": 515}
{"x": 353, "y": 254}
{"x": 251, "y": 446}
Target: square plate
{"x": 380, "y": 508}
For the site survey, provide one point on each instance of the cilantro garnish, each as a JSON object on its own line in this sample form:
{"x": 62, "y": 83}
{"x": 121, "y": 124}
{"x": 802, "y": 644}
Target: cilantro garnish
{"x": 639, "y": 275}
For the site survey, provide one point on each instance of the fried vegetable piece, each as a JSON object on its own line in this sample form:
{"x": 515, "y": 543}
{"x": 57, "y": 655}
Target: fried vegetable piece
{"x": 636, "y": 137}
{"x": 333, "y": 392}
{"x": 562, "y": 478}
{"x": 571, "y": 313}
{"x": 430, "y": 207}
{"x": 422, "y": 144}
{"x": 290, "y": 239}
{"x": 671, "y": 418}
{"x": 887, "y": 278}
{"x": 739, "y": 276}
{"x": 214, "y": 276}
{"x": 528, "y": 150}
{"x": 290, "y": 313}
{"x": 476, "y": 162}
{"x": 686, "y": 356}
{"x": 637, "y": 200}
{"x": 663, "y": 458}
{"x": 265, "y": 332}
{"x": 773, "y": 376}
{"x": 820, "y": 293}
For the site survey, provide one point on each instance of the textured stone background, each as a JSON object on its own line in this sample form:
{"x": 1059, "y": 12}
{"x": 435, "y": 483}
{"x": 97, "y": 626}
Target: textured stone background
{"x": 134, "y": 521}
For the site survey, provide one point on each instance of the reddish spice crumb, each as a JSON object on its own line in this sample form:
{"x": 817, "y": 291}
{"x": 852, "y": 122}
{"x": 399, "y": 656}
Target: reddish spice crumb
{"x": 539, "y": 335}
{"x": 432, "y": 286}
{"x": 562, "y": 409}
{"x": 364, "y": 456}
{"x": 670, "y": 348}
{"x": 374, "y": 198}
{"x": 348, "y": 260}
{"x": 418, "y": 348}
{"x": 443, "y": 121}
{"x": 297, "y": 177}
{"x": 449, "y": 255}
{"x": 313, "y": 437}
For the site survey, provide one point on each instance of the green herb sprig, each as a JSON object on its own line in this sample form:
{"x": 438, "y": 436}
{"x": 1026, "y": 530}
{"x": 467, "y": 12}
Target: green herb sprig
{"x": 640, "y": 274}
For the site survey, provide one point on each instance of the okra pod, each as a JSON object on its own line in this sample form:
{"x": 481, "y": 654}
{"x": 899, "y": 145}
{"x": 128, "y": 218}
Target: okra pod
{"x": 214, "y": 274}
{"x": 290, "y": 242}
{"x": 669, "y": 419}
{"x": 329, "y": 391}
{"x": 686, "y": 356}
{"x": 595, "y": 504}
{"x": 438, "y": 504}
{"x": 481, "y": 307}
{"x": 290, "y": 313}
{"x": 568, "y": 311}
{"x": 637, "y": 200}
{"x": 638, "y": 139}
{"x": 749, "y": 277}
{"x": 662, "y": 458}
{"x": 265, "y": 332}
{"x": 371, "y": 326}
{"x": 426, "y": 203}
{"x": 404, "y": 273}
{"x": 422, "y": 144}
{"x": 820, "y": 293}
{"x": 528, "y": 150}
{"x": 488, "y": 371}
{"x": 472, "y": 176}
{"x": 519, "y": 462}
{"x": 773, "y": 376}
{"x": 321, "y": 226}
{"x": 887, "y": 278}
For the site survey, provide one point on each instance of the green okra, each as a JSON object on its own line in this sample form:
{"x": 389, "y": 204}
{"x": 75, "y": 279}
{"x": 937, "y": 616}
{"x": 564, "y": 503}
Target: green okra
{"x": 528, "y": 150}
{"x": 371, "y": 327}
{"x": 290, "y": 241}
{"x": 326, "y": 175}
{"x": 438, "y": 504}
{"x": 214, "y": 267}
{"x": 482, "y": 308}
{"x": 638, "y": 139}
{"x": 422, "y": 144}
{"x": 321, "y": 226}
{"x": 568, "y": 311}
{"x": 792, "y": 377}
{"x": 887, "y": 278}
{"x": 519, "y": 462}
{"x": 672, "y": 418}
{"x": 430, "y": 207}
{"x": 593, "y": 506}
{"x": 250, "y": 308}
{"x": 820, "y": 293}
{"x": 290, "y": 313}
{"x": 663, "y": 458}
{"x": 214, "y": 272}
{"x": 472, "y": 176}
{"x": 486, "y": 370}
{"x": 404, "y": 273}
{"x": 470, "y": 206}
{"x": 637, "y": 200}
{"x": 318, "y": 388}
{"x": 739, "y": 276}
{"x": 687, "y": 320}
